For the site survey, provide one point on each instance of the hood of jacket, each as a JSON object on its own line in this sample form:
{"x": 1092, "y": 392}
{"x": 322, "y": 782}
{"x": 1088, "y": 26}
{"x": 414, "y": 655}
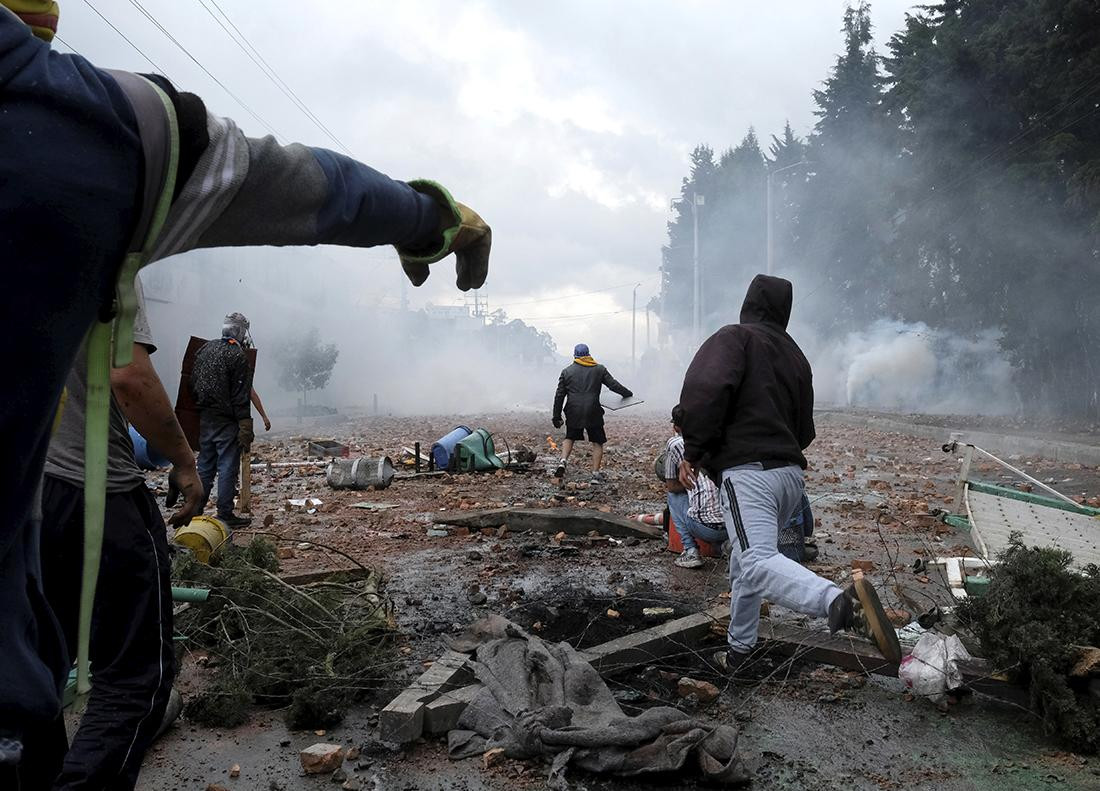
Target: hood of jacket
{"x": 769, "y": 299}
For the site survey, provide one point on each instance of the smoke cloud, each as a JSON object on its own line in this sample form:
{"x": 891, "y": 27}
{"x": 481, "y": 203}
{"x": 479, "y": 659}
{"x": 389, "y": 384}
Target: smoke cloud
{"x": 895, "y": 365}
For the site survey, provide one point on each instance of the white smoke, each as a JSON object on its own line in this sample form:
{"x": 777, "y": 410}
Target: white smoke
{"x": 911, "y": 367}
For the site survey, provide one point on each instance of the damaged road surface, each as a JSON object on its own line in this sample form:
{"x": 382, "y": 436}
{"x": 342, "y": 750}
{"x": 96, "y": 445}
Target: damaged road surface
{"x": 801, "y": 721}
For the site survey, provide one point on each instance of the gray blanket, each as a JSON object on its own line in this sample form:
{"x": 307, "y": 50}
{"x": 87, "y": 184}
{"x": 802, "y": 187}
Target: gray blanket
{"x": 545, "y": 700}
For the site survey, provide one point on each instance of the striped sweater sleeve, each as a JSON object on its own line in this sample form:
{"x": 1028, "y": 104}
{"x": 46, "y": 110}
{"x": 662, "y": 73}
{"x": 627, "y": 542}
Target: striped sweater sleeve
{"x": 254, "y": 191}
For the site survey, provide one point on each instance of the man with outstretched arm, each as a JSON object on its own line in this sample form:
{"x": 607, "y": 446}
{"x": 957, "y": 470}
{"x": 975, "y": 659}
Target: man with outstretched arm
{"x": 133, "y": 656}
{"x": 748, "y": 415}
{"x": 98, "y": 168}
{"x": 579, "y": 387}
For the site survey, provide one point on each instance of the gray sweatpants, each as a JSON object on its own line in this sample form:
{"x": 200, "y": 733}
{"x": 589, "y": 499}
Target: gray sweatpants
{"x": 755, "y": 502}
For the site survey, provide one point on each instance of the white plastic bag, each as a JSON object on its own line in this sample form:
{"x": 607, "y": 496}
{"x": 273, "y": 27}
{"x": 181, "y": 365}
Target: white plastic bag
{"x": 933, "y": 667}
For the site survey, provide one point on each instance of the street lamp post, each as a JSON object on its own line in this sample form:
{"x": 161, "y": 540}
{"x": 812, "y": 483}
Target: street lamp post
{"x": 769, "y": 219}
{"x": 697, "y": 200}
{"x": 633, "y": 328}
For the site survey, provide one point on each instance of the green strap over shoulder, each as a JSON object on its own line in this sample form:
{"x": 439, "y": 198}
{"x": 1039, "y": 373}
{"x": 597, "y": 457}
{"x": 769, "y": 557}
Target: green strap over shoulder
{"x": 113, "y": 342}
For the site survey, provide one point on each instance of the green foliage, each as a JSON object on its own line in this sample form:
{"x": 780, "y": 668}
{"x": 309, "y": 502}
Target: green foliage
{"x": 221, "y": 706}
{"x": 306, "y": 363}
{"x": 315, "y": 649}
{"x": 1035, "y": 612}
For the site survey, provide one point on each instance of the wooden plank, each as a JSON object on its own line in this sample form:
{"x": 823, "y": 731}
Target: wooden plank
{"x": 187, "y": 411}
{"x": 245, "y": 501}
{"x": 638, "y": 648}
{"x": 573, "y": 521}
{"x": 853, "y": 653}
{"x": 842, "y": 649}
{"x": 402, "y": 720}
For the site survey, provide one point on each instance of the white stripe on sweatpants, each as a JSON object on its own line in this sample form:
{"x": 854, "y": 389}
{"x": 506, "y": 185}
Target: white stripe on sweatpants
{"x": 160, "y": 654}
{"x": 755, "y": 502}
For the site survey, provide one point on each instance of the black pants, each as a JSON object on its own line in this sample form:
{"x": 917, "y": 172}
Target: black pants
{"x": 595, "y": 433}
{"x": 131, "y": 654}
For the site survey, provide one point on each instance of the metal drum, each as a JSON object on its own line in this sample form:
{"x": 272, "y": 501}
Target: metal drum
{"x": 361, "y": 473}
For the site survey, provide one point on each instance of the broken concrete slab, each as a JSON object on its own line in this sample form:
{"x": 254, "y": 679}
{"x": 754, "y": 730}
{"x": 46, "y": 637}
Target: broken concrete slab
{"x": 573, "y": 521}
{"x": 402, "y": 720}
{"x": 441, "y": 715}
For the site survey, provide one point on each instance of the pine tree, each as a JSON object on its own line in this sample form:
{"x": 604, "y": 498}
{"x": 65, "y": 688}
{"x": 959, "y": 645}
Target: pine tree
{"x": 677, "y": 277}
{"x": 846, "y": 215}
{"x": 789, "y": 168}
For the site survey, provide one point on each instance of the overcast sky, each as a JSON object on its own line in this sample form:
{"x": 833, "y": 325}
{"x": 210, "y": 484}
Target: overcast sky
{"x": 566, "y": 124}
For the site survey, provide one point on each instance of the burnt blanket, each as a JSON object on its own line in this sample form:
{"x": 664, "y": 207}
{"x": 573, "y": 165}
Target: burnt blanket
{"x": 543, "y": 700}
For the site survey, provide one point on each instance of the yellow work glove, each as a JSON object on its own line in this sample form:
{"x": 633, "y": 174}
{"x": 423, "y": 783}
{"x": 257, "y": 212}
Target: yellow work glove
{"x": 463, "y": 233}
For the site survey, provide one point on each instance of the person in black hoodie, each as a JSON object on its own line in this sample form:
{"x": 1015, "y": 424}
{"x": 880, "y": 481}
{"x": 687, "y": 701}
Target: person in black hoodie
{"x": 748, "y": 415}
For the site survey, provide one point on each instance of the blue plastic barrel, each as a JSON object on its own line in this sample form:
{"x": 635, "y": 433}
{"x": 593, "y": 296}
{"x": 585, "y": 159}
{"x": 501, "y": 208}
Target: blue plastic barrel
{"x": 146, "y": 455}
{"x": 444, "y": 446}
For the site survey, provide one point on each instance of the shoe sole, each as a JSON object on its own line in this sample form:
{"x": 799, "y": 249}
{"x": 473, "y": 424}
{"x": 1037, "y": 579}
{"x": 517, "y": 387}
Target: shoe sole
{"x": 696, "y": 565}
{"x": 559, "y": 472}
{"x": 886, "y": 638}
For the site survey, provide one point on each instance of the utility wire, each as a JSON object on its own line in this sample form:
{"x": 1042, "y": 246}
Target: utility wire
{"x": 68, "y": 46}
{"x": 198, "y": 63}
{"x": 126, "y": 38}
{"x": 268, "y": 70}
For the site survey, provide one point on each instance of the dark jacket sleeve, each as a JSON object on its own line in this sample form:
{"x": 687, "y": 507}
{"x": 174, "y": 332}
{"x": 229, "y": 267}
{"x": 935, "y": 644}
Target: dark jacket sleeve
{"x": 559, "y": 395}
{"x": 612, "y": 384}
{"x": 240, "y": 388}
{"x": 710, "y": 385}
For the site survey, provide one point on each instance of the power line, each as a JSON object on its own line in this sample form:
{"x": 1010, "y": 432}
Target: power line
{"x": 198, "y": 63}
{"x": 268, "y": 70}
{"x": 126, "y": 38}
{"x": 68, "y": 46}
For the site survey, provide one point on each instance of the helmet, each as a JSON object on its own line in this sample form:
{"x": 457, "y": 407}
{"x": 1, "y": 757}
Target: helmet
{"x": 236, "y": 326}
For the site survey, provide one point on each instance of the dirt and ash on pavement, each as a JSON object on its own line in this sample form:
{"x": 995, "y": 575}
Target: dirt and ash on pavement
{"x": 803, "y": 725}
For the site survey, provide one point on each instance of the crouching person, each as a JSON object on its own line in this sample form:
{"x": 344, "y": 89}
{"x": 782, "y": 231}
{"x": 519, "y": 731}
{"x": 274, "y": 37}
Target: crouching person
{"x": 696, "y": 513}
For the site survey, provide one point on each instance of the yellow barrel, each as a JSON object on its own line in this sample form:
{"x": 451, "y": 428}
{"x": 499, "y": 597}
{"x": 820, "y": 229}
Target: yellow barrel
{"x": 204, "y": 536}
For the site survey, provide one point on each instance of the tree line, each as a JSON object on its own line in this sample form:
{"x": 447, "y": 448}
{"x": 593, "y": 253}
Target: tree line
{"x": 953, "y": 180}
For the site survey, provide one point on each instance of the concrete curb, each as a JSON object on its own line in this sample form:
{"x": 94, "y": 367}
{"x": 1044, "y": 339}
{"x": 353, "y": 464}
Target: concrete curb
{"x": 1002, "y": 444}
